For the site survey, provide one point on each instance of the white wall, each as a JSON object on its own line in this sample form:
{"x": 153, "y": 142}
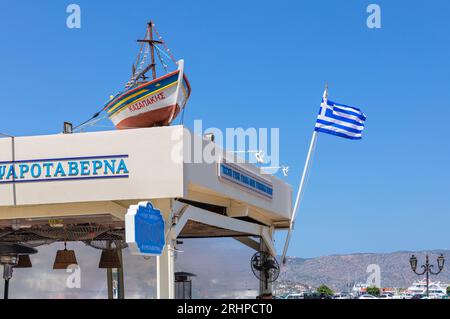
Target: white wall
{"x": 152, "y": 173}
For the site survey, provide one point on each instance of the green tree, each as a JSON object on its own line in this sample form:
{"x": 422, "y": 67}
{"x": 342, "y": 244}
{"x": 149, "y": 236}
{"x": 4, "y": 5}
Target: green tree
{"x": 374, "y": 291}
{"x": 325, "y": 290}
{"x": 448, "y": 290}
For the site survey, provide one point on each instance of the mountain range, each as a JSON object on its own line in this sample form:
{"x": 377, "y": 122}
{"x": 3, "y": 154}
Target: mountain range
{"x": 341, "y": 271}
{"x": 226, "y": 270}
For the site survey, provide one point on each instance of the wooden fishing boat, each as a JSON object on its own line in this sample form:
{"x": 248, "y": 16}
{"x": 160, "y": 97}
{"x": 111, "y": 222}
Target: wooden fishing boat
{"x": 150, "y": 102}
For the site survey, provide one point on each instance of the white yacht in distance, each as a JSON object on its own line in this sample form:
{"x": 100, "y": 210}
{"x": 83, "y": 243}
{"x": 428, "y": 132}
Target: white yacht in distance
{"x": 436, "y": 289}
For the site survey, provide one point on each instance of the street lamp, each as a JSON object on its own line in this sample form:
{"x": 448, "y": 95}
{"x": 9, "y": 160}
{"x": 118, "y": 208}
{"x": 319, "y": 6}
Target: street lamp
{"x": 9, "y": 258}
{"x": 427, "y": 268}
{"x": 413, "y": 263}
{"x": 441, "y": 262}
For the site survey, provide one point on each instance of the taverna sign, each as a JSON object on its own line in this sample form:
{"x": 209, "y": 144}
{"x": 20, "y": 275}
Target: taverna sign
{"x": 64, "y": 169}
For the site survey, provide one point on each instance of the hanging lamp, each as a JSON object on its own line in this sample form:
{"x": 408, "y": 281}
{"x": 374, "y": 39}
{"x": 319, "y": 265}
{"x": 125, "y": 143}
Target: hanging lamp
{"x": 109, "y": 259}
{"x": 64, "y": 258}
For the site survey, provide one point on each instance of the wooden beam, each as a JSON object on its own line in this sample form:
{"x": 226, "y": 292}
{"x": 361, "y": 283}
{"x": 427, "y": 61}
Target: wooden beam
{"x": 247, "y": 241}
{"x": 63, "y": 210}
{"x": 224, "y": 222}
{"x": 151, "y": 41}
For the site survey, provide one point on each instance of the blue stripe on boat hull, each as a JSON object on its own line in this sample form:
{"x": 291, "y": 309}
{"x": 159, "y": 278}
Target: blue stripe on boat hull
{"x": 148, "y": 88}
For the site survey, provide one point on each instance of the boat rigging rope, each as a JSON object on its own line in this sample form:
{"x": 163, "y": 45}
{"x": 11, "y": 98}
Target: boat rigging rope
{"x": 94, "y": 117}
{"x": 144, "y": 59}
{"x": 182, "y": 116}
{"x": 138, "y": 68}
{"x": 170, "y": 56}
{"x": 159, "y": 50}
{"x": 141, "y": 49}
{"x": 140, "y": 62}
{"x": 92, "y": 121}
{"x": 164, "y": 65}
{"x": 164, "y": 44}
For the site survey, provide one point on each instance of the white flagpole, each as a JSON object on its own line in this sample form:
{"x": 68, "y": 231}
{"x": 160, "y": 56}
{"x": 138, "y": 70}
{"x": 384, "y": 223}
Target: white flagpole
{"x": 301, "y": 187}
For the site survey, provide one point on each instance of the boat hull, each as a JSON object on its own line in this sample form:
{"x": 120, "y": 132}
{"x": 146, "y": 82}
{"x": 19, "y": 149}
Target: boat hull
{"x": 158, "y": 117}
{"x": 153, "y": 103}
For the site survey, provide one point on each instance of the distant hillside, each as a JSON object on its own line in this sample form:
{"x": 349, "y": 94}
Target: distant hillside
{"x": 338, "y": 271}
{"x": 226, "y": 270}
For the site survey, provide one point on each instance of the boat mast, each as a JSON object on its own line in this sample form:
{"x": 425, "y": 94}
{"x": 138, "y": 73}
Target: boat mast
{"x": 151, "y": 44}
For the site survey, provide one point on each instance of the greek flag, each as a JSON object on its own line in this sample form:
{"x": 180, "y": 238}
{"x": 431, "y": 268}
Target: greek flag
{"x": 340, "y": 120}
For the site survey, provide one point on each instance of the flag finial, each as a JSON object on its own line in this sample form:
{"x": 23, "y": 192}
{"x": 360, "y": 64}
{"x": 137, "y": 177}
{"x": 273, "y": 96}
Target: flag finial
{"x": 325, "y": 93}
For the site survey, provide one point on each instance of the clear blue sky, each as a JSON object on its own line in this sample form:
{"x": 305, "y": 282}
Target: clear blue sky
{"x": 264, "y": 64}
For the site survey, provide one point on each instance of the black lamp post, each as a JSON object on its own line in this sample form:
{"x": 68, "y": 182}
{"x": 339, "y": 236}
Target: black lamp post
{"x": 9, "y": 258}
{"x": 427, "y": 268}
{"x": 183, "y": 285}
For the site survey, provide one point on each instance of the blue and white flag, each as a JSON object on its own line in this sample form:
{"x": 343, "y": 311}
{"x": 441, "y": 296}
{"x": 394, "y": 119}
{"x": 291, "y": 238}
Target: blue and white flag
{"x": 340, "y": 120}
